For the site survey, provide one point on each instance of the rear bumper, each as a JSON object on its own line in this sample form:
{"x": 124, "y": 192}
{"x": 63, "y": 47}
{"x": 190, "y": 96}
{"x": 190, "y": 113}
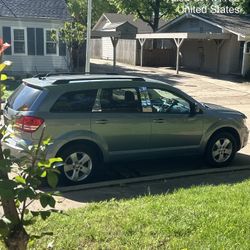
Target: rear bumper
{"x": 17, "y": 147}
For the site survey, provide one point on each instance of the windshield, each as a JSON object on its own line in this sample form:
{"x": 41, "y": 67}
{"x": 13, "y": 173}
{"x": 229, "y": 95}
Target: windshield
{"x": 23, "y": 98}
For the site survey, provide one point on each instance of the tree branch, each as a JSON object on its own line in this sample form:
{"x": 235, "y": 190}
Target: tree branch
{"x": 144, "y": 19}
{"x": 162, "y": 15}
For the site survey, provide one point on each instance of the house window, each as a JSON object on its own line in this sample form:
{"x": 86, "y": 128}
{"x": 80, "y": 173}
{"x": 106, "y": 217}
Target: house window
{"x": 19, "y": 41}
{"x": 51, "y": 45}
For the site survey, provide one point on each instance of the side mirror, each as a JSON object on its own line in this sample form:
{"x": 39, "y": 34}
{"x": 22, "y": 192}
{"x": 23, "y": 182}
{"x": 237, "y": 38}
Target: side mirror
{"x": 195, "y": 109}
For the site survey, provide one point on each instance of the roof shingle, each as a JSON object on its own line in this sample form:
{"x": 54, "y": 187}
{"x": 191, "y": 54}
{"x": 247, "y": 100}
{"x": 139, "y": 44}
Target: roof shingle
{"x": 239, "y": 24}
{"x": 47, "y": 9}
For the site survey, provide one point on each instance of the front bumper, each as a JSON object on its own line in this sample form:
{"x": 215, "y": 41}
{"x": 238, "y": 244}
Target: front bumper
{"x": 244, "y": 137}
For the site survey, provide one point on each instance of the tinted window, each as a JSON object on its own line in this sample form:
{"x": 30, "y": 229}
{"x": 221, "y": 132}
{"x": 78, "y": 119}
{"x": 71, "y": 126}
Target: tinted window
{"x": 120, "y": 100}
{"x": 163, "y": 101}
{"x": 81, "y": 101}
{"x": 23, "y": 97}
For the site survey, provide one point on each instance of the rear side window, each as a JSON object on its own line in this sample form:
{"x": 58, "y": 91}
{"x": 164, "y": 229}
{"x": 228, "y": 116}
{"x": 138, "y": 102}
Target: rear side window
{"x": 76, "y": 102}
{"x": 23, "y": 98}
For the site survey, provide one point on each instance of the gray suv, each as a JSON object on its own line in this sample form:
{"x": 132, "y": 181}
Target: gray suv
{"x": 99, "y": 118}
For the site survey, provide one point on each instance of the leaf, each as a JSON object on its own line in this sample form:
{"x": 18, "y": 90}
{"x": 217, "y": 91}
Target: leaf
{"x": 50, "y": 162}
{"x": 20, "y": 179}
{"x": 5, "y": 165}
{"x": 47, "y": 141}
{"x": 6, "y": 153}
{"x": 30, "y": 221}
{"x": 35, "y": 213}
{"x": 7, "y": 189}
{"x": 25, "y": 193}
{"x": 44, "y": 174}
{"x": 52, "y": 179}
{"x": 45, "y": 214}
{"x": 47, "y": 200}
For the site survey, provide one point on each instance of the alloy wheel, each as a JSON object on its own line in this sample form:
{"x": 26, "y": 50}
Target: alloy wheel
{"x": 222, "y": 150}
{"x": 78, "y": 166}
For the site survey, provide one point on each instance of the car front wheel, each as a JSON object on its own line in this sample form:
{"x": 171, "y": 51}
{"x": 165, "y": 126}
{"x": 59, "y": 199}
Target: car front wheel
{"x": 221, "y": 149}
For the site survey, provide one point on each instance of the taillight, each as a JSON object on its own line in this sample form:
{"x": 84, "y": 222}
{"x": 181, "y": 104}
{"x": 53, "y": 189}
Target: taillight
{"x": 28, "y": 123}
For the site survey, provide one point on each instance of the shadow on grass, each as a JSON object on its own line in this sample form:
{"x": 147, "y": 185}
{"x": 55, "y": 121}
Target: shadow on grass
{"x": 153, "y": 167}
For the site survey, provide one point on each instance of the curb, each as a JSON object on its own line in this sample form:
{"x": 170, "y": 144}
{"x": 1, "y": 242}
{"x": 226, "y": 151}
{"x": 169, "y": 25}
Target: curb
{"x": 148, "y": 178}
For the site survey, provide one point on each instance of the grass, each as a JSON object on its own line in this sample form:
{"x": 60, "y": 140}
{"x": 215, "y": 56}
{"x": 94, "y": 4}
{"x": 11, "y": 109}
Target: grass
{"x": 207, "y": 217}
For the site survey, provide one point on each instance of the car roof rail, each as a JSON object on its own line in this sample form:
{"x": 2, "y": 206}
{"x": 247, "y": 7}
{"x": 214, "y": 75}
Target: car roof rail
{"x": 66, "y": 81}
{"x": 44, "y": 75}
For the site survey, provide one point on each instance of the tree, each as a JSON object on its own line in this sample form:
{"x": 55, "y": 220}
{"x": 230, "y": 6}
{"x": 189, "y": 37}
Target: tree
{"x": 150, "y": 11}
{"x": 244, "y": 6}
{"x": 73, "y": 33}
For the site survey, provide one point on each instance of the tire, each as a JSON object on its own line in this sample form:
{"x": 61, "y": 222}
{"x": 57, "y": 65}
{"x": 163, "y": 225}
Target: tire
{"x": 81, "y": 164}
{"x": 221, "y": 149}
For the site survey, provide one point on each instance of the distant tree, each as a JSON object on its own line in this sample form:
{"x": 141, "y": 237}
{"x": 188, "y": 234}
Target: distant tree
{"x": 244, "y": 6}
{"x": 73, "y": 33}
{"x": 150, "y": 11}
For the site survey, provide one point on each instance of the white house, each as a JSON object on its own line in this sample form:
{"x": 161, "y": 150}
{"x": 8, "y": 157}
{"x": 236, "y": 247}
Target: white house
{"x": 28, "y": 25}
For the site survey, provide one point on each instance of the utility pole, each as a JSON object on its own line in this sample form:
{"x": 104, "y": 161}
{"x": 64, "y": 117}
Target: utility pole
{"x": 88, "y": 41}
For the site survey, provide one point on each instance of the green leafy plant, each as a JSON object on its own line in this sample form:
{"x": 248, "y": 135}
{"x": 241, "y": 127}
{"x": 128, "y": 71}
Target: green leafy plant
{"x": 23, "y": 189}
{"x": 20, "y": 179}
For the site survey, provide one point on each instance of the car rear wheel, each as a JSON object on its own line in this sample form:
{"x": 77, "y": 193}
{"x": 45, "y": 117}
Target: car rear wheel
{"x": 81, "y": 164}
{"x": 221, "y": 149}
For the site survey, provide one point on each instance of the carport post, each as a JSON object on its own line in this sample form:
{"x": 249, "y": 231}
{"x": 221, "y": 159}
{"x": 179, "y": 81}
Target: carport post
{"x": 178, "y": 43}
{"x": 219, "y": 44}
{"x": 142, "y": 41}
{"x": 114, "y": 41}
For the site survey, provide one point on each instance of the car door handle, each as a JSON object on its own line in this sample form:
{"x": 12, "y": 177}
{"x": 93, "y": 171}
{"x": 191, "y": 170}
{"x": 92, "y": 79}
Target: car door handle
{"x": 101, "y": 121}
{"x": 158, "y": 120}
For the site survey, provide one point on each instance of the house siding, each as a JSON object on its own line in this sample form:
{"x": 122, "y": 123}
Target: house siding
{"x": 30, "y": 63}
{"x": 107, "y": 48}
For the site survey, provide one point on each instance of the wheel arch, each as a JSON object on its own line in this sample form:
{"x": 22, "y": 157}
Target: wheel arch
{"x": 230, "y": 130}
{"x": 86, "y": 142}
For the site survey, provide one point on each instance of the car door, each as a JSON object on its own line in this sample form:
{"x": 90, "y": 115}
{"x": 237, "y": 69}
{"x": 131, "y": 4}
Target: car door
{"x": 173, "y": 126}
{"x": 118, "y": 121}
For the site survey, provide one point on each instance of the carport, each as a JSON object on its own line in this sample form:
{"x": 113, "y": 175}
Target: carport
{"x": 179, "y": 38}
{"x": 114, "y": 36}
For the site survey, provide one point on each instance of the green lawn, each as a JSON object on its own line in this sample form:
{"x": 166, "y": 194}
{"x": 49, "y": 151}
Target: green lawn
{"x": 207, "y": 217}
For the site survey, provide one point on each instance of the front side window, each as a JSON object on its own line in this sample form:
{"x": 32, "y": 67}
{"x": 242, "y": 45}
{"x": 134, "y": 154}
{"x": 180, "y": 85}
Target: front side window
{"x": 51, "y": 46}
{"x": 163, "y": 101}
{"x": 124, "y": 100}
{"x": 19, "y": 41}
{"x": 75, "y": 102}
